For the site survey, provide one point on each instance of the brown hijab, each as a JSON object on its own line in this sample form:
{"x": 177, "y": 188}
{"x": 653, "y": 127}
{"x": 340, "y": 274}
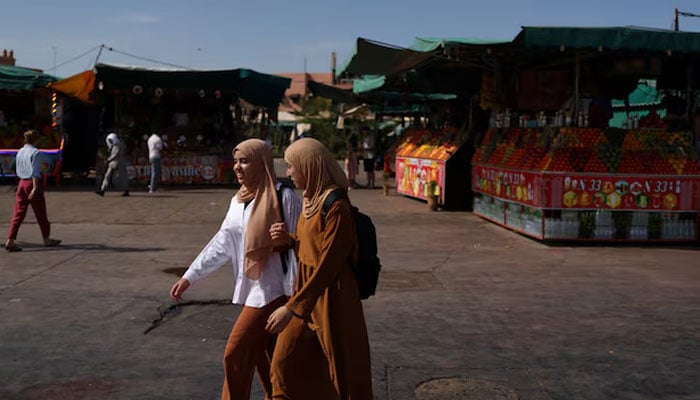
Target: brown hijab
{"x": 320, "y": 169}
{"x": 260, "y": 185}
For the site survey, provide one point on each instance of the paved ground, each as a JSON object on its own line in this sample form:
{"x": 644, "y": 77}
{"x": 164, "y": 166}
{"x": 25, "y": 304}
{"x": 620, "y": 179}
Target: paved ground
{"x": 458, "y": 298}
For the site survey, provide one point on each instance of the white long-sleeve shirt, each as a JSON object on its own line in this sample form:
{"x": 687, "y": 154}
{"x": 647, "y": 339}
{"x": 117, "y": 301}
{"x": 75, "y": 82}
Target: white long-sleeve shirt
{"x": 228, "y": 245}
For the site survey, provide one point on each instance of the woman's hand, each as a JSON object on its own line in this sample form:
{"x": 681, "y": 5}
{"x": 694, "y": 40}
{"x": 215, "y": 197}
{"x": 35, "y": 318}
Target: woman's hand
{"x": 179, "y": 288}
{"x": 278, "y": 320}
{"x": 280, "y": 236}
{"x": 278, "y": 231}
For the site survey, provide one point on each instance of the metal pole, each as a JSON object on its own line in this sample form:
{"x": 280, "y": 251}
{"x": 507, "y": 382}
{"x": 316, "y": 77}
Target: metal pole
{"x": 577, "y": 78}
{"x": 55, "y": 51}
{"x": 333, "y": 65}
{"x": 99, "y": 53}
{"x": 689, "y": 90}
{"x": 675, "y": 20}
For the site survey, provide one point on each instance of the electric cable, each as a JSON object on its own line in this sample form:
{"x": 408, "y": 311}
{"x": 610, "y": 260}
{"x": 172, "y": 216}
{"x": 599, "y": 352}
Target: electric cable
{"x": 146, "y": 58}
{"x": 76, "y": 57}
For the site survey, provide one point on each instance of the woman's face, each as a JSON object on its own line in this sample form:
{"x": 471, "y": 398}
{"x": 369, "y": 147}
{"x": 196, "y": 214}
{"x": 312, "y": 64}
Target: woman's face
{"x": 240, "y": 166}
{"x": 296, "y": 177}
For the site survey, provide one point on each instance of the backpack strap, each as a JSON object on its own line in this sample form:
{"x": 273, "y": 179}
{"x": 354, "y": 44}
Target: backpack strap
{"x": 280, "y": 203}
{"x": 330, "y": 199}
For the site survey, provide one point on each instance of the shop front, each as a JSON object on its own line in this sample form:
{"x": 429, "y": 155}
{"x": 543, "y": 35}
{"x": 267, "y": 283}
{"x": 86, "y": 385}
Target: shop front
{"x": 200, "y": 115}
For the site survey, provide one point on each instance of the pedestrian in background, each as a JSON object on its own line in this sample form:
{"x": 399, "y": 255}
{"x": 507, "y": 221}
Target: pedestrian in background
{"x": 116, "y": 163}
{"x": 368, "y": 155}
{"x": 322, "y": 352}
{"x": 261, "y": 283}
{"x": 155, "y": 146}
{"x": 351, "y": 159}
{"x": 30, "y": 191}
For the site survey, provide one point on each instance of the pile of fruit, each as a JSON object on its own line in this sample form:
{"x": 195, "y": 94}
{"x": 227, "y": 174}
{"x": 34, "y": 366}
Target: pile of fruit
{"x": 421, "y": 143}
{"x": 590, "y": 150}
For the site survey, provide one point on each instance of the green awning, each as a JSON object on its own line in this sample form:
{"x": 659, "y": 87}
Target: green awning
{"x": 254, "y": 87}
{"x": 643, "y": 95}
{"x": 19, "y": 78}
{"x": 628, "y": 38}
{"x": 368, "y": 83}
{"x": 332, "y": 92}
{"x": 430, "y": 43}
{"x": 374, "y": 58}
{"x": 398, "y": 109}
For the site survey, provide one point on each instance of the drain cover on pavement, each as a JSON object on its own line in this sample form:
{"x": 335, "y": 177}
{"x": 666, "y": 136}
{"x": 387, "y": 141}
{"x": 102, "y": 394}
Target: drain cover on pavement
{"x": 463, "y": 388}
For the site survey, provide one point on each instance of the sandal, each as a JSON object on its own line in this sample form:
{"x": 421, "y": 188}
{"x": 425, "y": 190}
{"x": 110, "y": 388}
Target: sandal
{"x": 12, "y": 249}
{"x": 52, "y": 243}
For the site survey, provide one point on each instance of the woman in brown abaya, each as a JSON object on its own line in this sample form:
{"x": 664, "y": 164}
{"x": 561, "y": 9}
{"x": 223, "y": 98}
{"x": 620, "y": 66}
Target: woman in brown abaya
{"x": 322, "y": 352}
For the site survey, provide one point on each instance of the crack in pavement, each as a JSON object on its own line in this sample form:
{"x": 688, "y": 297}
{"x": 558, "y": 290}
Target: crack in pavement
{"x": 173, "y": 310}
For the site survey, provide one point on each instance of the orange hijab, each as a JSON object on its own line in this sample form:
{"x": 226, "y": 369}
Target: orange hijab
{"x": 259, "y": 185}
{"x": 321, "y": 170}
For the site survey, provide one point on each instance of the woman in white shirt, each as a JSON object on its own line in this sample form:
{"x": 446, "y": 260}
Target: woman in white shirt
{"x": 262, "y": 280}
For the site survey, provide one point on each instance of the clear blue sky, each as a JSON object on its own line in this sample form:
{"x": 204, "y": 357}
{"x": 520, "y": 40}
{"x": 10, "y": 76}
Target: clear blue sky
{"x": 277, "y": 36}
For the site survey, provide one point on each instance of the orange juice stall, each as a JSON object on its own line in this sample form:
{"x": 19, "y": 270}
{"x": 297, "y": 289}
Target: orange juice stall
{"x": 589, "y": 183}
{"x": 432, "y": 164}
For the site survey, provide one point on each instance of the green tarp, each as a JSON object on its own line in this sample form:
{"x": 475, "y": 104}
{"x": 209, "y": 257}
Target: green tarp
{"x": 368, "y": 83}
{"x": 643, "y": 95}
{"x": 430, "y": 44}
{"x": 254, "y": 87}
{"x": 332, "y": 92}
{"x": 628, "y": 38}
{"x": 18, "y": 78}
{"x": 374, "y": 58}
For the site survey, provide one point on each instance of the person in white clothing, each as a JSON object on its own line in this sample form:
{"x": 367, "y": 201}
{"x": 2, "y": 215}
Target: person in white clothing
{"x": 155, "y": 146}
{"x": 264, "y": 270}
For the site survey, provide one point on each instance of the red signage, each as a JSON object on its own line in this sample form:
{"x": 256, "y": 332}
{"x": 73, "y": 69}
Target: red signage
{"x": 624, "y": 192}
{"x": 413, "y": 177}
{"x": 524, "y": 187}
{"x": 582, "y": 191}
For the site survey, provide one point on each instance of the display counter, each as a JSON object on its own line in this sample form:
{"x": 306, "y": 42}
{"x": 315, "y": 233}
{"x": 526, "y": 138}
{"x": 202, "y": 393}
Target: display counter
{"x": 589, "y": 184}
{"x": 50, "y": 158}
{"x": 432, "y": 163}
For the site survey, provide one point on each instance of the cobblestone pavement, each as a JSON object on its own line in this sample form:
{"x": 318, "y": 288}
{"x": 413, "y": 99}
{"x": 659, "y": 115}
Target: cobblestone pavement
{"x": 458, "y": 298}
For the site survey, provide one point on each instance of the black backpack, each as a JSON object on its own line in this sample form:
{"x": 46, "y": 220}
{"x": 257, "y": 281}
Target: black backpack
{"x": 368, "y": 266}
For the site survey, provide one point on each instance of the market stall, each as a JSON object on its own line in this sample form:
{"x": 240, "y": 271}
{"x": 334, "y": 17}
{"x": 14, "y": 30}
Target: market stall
{"x": 26, "y": 103}
{"x": 199, "y": 114}
{"x": 553, "y": 168}
{"x": 50, "y": 161}
{"x": 432, "y": 164}
{"x": 589, "y": 184}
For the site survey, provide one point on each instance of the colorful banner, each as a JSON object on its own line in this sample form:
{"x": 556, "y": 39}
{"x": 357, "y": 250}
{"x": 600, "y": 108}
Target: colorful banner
{"x": 524, "y": 187}
{"x": 624, "y": 192}
{"x": 414, "y": 177}
{"x": 7, "y": 161}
